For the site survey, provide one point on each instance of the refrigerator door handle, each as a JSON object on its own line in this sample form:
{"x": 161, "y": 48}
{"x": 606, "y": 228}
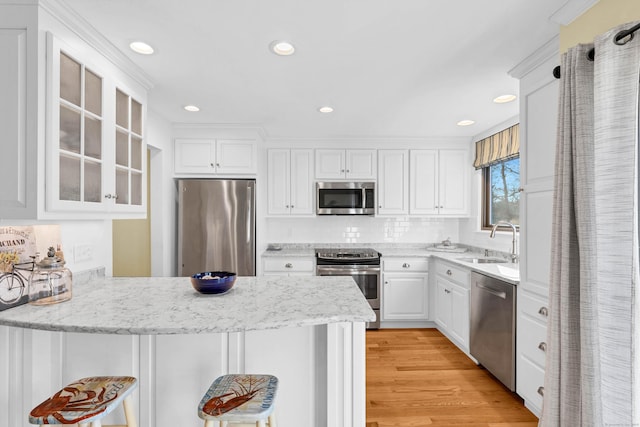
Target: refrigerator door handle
{"x": 249, "y": 212}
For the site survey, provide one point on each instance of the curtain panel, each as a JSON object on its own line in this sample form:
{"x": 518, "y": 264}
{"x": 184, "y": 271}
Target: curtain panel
{"x": 496, "y": 148}
{"x": 592, "y": 372}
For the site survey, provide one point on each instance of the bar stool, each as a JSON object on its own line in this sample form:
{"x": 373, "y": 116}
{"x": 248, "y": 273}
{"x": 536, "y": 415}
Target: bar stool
{"x": 240, "y": 399}
{"x": 87, "y": 400}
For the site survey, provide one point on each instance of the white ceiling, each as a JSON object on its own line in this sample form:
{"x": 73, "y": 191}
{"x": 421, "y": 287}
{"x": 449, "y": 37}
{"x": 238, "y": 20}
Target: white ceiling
{"x": 389, "y": 68}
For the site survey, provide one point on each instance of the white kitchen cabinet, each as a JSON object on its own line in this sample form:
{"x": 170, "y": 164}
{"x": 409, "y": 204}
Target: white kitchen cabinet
{"x": 439, "y": 182}
{"x": 345, "y": 164}
{"x": 290, "y": 182}
{"x": 393, "y": 183}
{"x": 215, "y": 157}
{"x": 288, "y": 266}
{"x": 452, "y": 303}
{"x": 17, "y": 165}
{"x": 59, "y": 106}
{"x": 96, "y": 151}
{"x": 405, "y": 289}
{"x": 538, "y": 124}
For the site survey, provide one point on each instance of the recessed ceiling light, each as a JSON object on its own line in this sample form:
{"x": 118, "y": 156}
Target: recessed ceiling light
{"x": 465, "y": 122}
{"x": 504, "y": 98}
{"x": 282, "y": 48}
{"x": 191, "y": 108}
{"x": 141, "y": 48}
{"x": 325, "y": 109}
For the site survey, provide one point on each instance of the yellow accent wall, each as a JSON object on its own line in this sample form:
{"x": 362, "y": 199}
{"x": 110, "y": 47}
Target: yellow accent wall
{"x": 132, "y": 242}
{"x": 603, "y": 16}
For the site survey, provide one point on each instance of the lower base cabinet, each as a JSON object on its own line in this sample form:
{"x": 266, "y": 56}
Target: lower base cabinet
{"x": 531, "y": 347}
{"x": 405, "y": 289}
{"x": 405, "y": 297}
{"x": 288, "y": 266}
{"x": 314, "y": 364}
{"x": 452, "y": 303}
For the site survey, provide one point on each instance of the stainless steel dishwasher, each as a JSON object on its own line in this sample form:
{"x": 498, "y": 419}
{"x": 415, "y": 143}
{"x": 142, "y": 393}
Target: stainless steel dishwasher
{"x": 493, "y": 327}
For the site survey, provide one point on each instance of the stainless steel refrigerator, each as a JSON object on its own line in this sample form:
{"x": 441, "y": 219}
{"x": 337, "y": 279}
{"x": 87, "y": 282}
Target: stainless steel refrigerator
{"x": 216, "y": 226}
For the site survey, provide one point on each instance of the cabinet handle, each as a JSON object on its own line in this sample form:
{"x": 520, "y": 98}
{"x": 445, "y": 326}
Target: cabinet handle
{"x": 288, "y": 265}
{"x": 520, "y": 190}
{"x": 543, "y": 346}
{"x": 541, "y": 391}
{"x": 441, "y": 207}
{"x": 348, "y": 171}
{"x": 449, "y": 273}
{"x": 291, "y": 206}
{"x": 212, "y": 165}
{"x": 217, "y": 165}
{"x": 406, "y": 265}
{"x": 380, "y": 207}
{"x": 447, "y": 291}
{"x": 111, "y": 196}
{"x": 341, "y": 170}
{"x": 286, "y": 206}
{"x": 543, "y": 311}
{"x": 386, "y": 282}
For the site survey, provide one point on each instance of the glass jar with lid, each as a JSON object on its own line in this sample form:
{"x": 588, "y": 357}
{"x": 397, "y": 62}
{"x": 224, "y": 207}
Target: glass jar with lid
{"x": 50, "y": 282}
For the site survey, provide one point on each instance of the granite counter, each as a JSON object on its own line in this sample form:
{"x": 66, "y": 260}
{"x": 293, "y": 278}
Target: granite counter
{"x": 170, "y": 305}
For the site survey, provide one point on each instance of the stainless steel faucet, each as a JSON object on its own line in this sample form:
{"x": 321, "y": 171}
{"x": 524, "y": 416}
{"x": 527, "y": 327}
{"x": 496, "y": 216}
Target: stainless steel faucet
{"x": 514, "y": 254}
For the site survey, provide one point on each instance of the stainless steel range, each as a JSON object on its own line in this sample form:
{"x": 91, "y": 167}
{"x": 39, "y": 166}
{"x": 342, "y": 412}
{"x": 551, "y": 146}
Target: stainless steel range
{"x": 362, "y": 264}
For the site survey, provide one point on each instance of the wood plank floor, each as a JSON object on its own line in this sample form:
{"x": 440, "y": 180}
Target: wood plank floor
{"x": 417, "y": 377}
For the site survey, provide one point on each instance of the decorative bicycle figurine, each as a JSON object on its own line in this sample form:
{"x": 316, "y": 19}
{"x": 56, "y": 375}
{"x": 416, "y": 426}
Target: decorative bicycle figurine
{"x": 13, "y": 280}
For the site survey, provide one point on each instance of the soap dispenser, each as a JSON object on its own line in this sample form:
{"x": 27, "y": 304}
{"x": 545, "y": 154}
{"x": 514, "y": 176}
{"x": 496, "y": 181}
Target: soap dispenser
{"x": 50, "y": 282}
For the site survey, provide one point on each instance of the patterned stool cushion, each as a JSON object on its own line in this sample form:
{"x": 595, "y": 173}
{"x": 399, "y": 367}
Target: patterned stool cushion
{"x": 83, "y": 401}
{"x": 242, "y": 398}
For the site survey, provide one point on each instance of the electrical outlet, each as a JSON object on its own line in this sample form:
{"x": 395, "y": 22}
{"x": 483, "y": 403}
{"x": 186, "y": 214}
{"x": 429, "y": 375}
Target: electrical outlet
{"x": 82, "y": 253}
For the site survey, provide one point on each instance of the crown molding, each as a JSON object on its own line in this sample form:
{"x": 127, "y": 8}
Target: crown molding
{"x": 549, "y": 50}
{"x": 571, "y": 10}
{"x": 85, "y": 31}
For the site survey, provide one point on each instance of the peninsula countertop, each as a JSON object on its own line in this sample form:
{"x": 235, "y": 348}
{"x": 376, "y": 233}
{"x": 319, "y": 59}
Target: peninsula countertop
{"x": 170, "y": 305}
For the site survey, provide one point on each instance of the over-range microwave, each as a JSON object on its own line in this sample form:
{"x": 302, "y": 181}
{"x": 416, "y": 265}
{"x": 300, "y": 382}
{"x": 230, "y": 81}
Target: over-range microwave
{"x": 345, "y": 198}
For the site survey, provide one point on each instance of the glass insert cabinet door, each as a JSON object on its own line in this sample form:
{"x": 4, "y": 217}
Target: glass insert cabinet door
{"x": 129, "y": 150}
{"x": 80, "y": 132}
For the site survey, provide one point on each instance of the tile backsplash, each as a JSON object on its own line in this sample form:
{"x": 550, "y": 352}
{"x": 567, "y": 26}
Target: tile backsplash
{"x": 360, "y": 229}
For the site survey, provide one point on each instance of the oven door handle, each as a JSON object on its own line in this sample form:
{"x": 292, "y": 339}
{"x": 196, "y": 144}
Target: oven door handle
{"x": 342, "y": 271}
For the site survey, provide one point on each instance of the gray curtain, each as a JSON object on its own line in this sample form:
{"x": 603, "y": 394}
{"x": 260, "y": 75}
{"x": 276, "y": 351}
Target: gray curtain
{"x": 592, "y": 373}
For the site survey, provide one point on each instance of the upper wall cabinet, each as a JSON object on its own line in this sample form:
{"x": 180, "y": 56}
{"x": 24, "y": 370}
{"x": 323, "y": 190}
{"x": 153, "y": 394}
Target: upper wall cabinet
{"x": 216, "y": 156}
{"x": 423, "y": 182}
{"x": 72, "y": 120}
{"x": 393, "y": 183}
{"x": 346, "y": 164}
{"x": 96, "y": 152}
{"x": 439, "y": 182}
{"x": 17, "y": 161}
{"x": 290, "y": 181}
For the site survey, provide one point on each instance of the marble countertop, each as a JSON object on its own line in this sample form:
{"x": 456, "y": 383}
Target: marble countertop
{"x": 170, "y": 305}
{"x": 507, "y": 271}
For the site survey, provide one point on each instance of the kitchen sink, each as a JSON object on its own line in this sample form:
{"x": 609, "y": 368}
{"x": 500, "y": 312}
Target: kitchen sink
{"x": 483, "y": 260}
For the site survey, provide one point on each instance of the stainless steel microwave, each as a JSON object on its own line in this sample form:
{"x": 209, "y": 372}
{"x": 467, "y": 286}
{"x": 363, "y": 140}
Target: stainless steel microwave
{"x": 345, "y": 198}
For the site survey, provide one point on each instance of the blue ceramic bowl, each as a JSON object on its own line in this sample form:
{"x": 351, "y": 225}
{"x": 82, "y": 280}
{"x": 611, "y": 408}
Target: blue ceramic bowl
{"x": 213, "y": 282}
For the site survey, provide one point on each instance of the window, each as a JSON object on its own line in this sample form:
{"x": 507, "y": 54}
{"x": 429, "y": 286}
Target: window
{"x": 499, "y": 158}
{"x": 501, "y": 193}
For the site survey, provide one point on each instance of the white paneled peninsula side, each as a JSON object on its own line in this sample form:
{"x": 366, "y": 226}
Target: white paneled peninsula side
{"x": 308, "y": 331}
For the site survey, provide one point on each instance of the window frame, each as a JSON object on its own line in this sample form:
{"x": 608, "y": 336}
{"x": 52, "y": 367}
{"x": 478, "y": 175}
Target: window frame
{"x": 485, "y": 199}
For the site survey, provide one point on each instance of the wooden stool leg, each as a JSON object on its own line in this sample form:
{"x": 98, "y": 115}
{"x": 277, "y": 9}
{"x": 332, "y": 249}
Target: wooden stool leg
{"x": 96, "y": 423}
{"x": 128, "y": 412}
{"x": 208, "y": 423}
{"x": 260, "y": 423}
{"x": 272, "y": 420}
